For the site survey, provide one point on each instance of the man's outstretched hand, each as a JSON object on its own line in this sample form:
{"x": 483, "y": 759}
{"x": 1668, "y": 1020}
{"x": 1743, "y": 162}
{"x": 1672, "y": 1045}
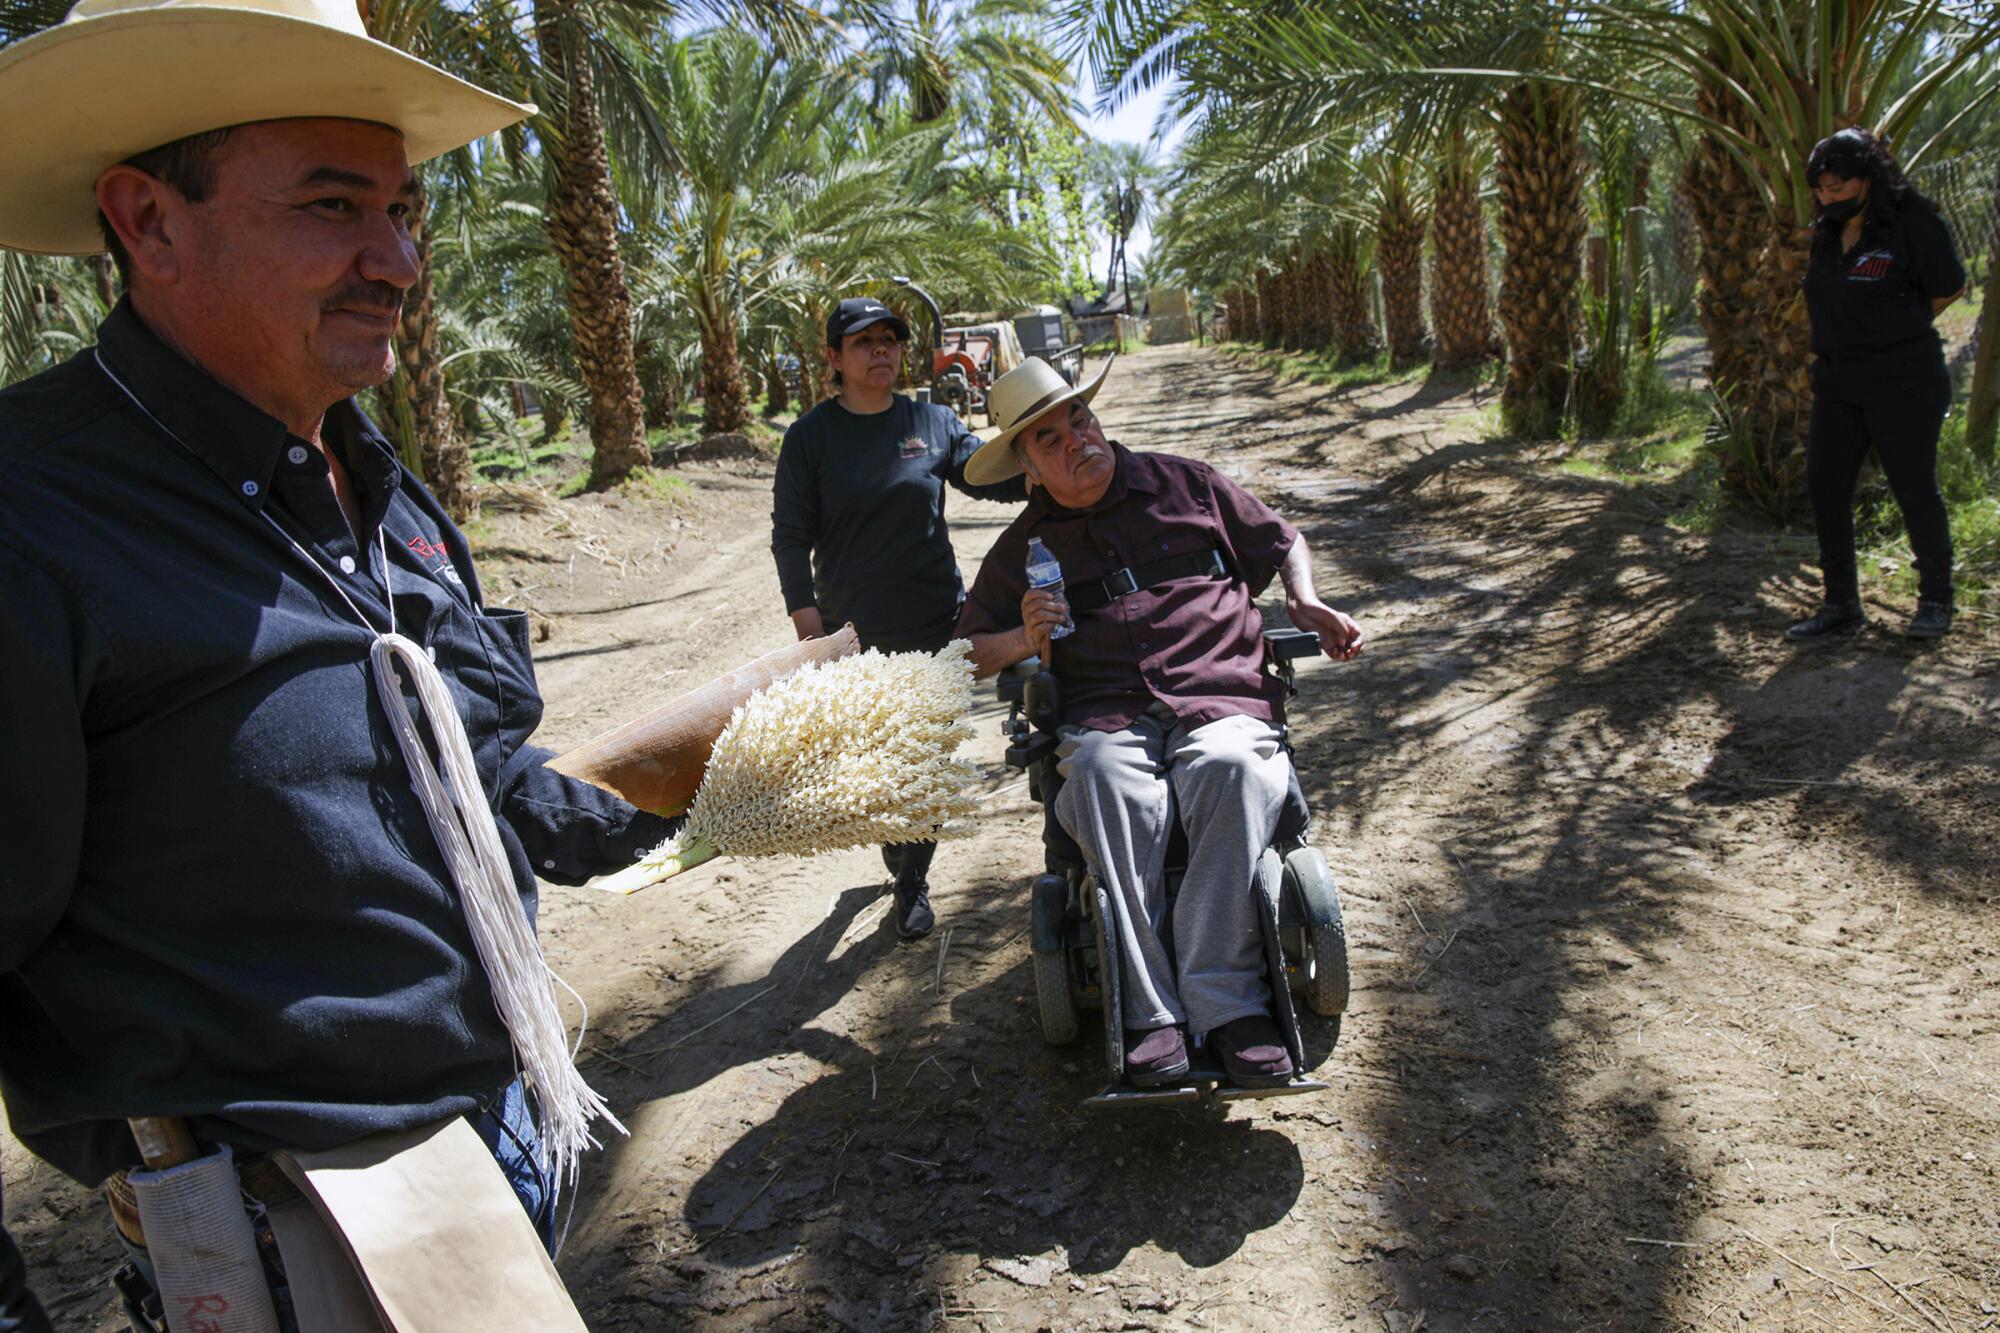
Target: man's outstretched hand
{"x": 1338, "y": 634}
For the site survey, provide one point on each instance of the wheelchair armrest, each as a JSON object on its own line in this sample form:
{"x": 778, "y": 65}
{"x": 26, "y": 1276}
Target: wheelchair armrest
{"x": 1286, "y": 645}
{"x": 1029, "y": 749}
{"x": 1013, "y": 680}
{"x": 1008, "y": 688}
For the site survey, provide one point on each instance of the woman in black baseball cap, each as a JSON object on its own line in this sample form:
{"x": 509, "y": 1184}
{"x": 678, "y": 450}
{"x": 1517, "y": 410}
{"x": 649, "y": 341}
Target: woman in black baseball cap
{"x": 857, "y": 313}
{"x": 858, "y": 527}
{"x": 1883, "y": 265}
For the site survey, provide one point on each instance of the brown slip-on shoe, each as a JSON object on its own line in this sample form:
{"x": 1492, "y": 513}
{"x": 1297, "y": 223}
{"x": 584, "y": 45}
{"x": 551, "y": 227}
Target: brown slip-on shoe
{"x": 1253, "y": 1052}
{"x": 1155, "y": 1057}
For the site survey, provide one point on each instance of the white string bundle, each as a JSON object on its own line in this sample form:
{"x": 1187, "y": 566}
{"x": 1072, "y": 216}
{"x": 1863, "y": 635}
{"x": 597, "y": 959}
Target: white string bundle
{"x": 521, "y": 980}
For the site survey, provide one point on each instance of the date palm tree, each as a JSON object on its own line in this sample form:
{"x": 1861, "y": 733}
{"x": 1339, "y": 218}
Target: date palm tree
{"x": 1763, "y": 81}
{"x": 1461, "y": 297}
{"x": 743, "y": 120}
{"x": 1400, "y": 226}
{"x": 582, "y": 218}
{"x": 1306, "y": 75}
{"x": 477, "y": 42}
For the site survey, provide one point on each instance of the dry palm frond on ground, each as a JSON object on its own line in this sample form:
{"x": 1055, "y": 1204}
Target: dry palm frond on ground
{"x": 840, "y": 754}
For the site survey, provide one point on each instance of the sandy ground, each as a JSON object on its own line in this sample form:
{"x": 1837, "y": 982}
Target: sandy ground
{"x": 1674, "y": 948}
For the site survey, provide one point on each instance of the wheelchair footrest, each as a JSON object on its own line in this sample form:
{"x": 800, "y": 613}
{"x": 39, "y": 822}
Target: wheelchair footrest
{"x": 1295, "y": 1087}
{"x": 1201, "y": 1085}
{"x": 1125, "y": 1095}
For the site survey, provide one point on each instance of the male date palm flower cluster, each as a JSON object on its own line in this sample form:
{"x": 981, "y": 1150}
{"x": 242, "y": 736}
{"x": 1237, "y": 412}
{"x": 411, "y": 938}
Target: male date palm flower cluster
{"x": 849, "y": 753}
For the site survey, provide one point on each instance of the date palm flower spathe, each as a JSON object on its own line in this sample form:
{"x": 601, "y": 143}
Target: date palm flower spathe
{"x": 854, "y": 752}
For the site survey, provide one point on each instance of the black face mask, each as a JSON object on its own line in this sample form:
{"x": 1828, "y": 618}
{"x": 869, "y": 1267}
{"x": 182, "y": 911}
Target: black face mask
{"x": 1840, "y": 210}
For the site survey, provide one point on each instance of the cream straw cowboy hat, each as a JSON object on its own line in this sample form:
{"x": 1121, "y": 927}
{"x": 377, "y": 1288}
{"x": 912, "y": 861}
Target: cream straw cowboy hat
{"x": 117, "y": 77}
{"x": 1030, "y": 390}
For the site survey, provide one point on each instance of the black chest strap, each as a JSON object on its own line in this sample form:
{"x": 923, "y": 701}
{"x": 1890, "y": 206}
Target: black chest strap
{"x": 1090, "y": 594}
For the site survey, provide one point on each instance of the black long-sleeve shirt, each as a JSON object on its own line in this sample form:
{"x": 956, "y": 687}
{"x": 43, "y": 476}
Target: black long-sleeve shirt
{"x": 219, "y": 894}
{"x": 857, "y": 517}
{"x": 1872, "y": 322}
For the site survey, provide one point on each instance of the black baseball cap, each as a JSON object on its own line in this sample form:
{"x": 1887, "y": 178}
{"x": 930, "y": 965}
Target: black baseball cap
{"x": 859, "y": 312}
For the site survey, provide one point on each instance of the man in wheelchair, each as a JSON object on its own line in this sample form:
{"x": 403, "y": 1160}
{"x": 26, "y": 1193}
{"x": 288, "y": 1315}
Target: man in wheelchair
{"x": 1165, "y": 702}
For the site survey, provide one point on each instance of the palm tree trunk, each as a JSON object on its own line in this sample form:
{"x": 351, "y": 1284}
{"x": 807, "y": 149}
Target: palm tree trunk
{"x": 1781, "y": 401}
{"x": 1459, "y": 291}
{"x": 447, "y": 459}
{"x": 1319, "y": 300}
{"x": 1982, "y": 404}
{"x": 106, "y": 275}
{"x": 1291, "y": 302}
{"x": 813, "y": 374}
{"x": 777, "y": 393}
{"x": 725, "y": 406}
{"x": 1542, "y": 222}
{"x": 1638, "y": 272}
{"x": 1399, "y": 251}
{"x": 1242, "y": 314}
{"x": 583, "y": 228}
{"x": 1268, "y": 330}
{"x": 1354, "y": 336}
{"x": 1731, "y": 221}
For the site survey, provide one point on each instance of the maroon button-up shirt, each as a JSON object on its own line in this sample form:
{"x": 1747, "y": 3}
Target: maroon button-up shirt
{"x": 1196, "y": 643}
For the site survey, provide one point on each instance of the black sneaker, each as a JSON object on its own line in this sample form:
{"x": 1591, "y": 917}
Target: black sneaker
{"x": 1932, "y": 621}
{"x": 1833, "y": 618}
{"x": 914, "y": 917}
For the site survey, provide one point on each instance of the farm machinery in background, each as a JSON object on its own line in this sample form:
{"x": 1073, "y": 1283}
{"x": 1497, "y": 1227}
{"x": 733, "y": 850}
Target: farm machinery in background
{"x": 966, "y": 359}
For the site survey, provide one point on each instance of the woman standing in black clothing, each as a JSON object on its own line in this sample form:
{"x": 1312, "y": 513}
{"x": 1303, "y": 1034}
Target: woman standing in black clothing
{"x": 1883, "y": 265}
{"x": 857, "y": 523}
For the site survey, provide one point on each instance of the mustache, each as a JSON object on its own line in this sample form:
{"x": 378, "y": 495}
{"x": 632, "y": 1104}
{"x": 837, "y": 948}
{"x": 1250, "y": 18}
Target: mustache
{"x": 374, "y": 298}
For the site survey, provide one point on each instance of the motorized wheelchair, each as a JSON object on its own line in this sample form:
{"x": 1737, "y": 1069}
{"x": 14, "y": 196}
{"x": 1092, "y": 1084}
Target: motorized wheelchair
{"x": 1075, "y": 955}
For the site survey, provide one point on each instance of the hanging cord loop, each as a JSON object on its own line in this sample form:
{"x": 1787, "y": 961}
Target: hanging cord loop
{"x": 522, "y": 982}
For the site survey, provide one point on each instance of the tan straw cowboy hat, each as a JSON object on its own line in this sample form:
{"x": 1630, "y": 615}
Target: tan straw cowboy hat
{"x": 1028, "y": 391}
{"x": 117, "y": 77}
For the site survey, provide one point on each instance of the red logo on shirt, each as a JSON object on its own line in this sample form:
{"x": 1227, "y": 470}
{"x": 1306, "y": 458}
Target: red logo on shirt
{"x": 427, "y": 549}
{"x": 1872, "y": 267}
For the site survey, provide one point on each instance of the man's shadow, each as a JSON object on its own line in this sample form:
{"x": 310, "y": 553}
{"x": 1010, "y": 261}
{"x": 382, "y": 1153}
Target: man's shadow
{"x": 971, "y": 1139}
{"x": 724, "y": 1027}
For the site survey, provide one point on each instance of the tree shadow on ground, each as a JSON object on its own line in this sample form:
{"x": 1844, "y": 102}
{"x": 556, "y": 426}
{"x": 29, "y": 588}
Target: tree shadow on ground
{"x": 1534, "y": 1161}
{"x": 944, "y": 1136}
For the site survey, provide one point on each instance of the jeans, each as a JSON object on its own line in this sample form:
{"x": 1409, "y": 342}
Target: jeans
{"x": 1902, "y": 428}
{"x": 505, "y": 1124}
{"x": 507, "y": 1127}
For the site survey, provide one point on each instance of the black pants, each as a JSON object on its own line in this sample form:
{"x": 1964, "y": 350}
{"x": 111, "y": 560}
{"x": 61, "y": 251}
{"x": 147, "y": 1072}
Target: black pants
{"x": 1902, "y": 428}
{"x": 908, "y": 860}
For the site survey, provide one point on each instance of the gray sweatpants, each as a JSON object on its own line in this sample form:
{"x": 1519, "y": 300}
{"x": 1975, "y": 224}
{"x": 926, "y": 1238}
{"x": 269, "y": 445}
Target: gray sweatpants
{"x": 1230, "y": 777}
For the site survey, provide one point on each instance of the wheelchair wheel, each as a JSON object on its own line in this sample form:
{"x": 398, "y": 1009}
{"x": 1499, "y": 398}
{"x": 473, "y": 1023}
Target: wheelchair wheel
{"x": 1322, "y": 931}
{"x": 1052, "y": 998}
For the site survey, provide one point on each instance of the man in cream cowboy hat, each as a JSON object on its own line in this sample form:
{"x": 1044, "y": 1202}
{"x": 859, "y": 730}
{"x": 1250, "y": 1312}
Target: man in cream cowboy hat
{"x": 233, "y": 903}
{"x": 1163, "y": 688}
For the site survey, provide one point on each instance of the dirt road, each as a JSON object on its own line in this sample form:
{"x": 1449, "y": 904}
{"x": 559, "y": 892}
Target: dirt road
{"x": 1674, "y": 949}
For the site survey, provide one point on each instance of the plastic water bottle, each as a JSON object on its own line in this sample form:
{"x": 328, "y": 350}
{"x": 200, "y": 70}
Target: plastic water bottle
{"x": 1045, "y": 573}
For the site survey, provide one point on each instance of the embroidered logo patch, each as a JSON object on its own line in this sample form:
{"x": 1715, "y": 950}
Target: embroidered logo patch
{"x": 436, "y": 557}
{"x": 1872, "y": 266}
{"x": 915, "y": 447}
